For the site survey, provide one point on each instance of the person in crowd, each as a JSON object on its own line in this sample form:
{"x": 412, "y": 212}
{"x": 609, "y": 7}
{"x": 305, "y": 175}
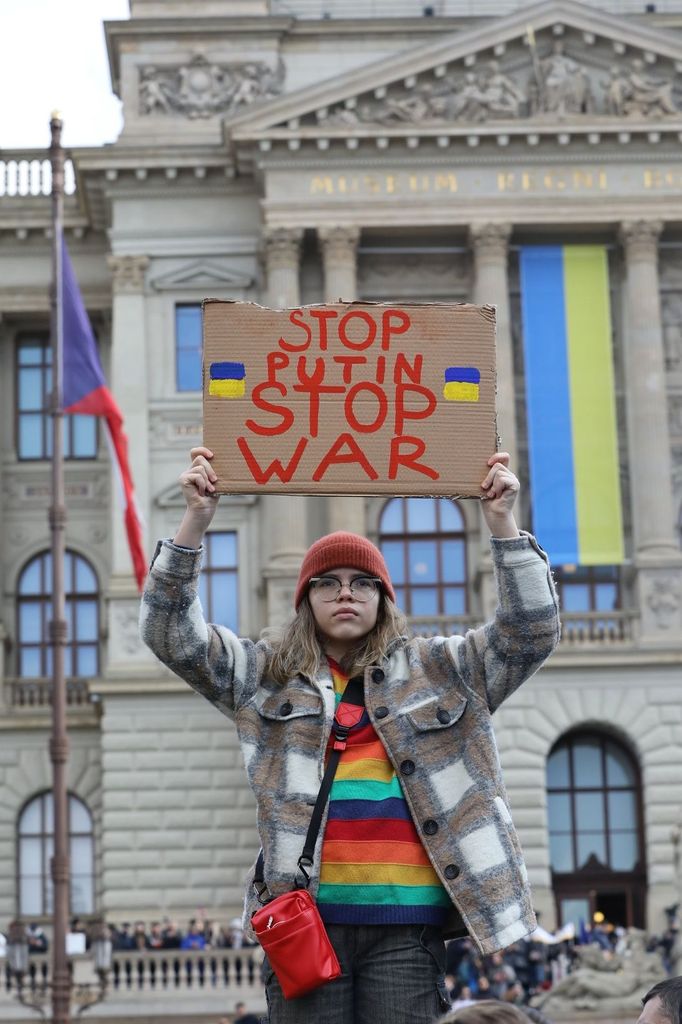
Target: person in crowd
{"x": 140, "y": 937}
{"x": 125, "y": 940}
{"x": 663, "y": 1003}
{"x": 242, "y": 1016}
{"x": 195, "y": 938}
{"x": 172, "y": 936}
{"x": 155, "y": 937}
{"x": 490, "y": 1011}
{"x": 425, "y": 744}
{"x": 36, "y": 938}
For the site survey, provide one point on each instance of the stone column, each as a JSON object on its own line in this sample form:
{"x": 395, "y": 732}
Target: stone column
{"x": 282, "y": 249}
{"x": 285, "y": 520}
{"x": 339, "y": 246}
{"x": 128, "y": 382}
{"x": 657, "y": 557}
{"x": 490, "y": 246}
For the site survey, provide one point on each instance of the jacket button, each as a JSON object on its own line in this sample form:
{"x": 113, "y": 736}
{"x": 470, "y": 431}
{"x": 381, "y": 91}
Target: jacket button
{"x": 286, "y": 708}
{"x": 443, "y": 716}
{"x": 381, "y": 712}
{"x": 430, "y": 827}
{"x": 451, "y": 871}
{"x": 378, "y": 675}
{"x": 407, "y": 767}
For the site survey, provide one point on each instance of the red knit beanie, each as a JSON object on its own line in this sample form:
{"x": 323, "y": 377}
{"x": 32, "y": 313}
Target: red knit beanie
{"x": 338, "y": 550}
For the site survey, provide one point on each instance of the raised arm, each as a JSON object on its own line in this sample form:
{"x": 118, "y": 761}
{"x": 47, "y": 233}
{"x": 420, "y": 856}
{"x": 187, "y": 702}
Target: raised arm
{"x": 495, "y": 659}
{"x": 215, "y": 662}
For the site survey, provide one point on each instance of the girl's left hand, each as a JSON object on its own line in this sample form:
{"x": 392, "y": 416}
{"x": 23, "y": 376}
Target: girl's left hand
{"x": 501, "y": 488}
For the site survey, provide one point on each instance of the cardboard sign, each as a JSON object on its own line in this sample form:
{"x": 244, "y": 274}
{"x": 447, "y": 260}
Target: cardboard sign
{"x": 357, "y": 398}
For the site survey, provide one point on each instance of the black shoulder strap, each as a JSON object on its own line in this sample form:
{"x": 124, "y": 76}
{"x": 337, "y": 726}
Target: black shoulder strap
{"x": 353, "y": 694}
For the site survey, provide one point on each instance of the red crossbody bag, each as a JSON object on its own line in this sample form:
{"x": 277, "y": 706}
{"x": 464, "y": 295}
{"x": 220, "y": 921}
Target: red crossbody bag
{"x": 289, "y": 927}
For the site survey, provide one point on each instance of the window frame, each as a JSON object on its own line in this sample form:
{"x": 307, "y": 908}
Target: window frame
{"x": 44, "y": 599}
{"x": 177, "y": 306}
{"x": 42, "y": 338}
{"x": 439, "y": 536}
{"x": 587, "y": 575}
{"x": 208, "y": 571}
{"x": 44, "y": 836}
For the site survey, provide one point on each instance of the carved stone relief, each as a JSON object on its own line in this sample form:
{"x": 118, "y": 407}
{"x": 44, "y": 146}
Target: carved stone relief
{"x": 124, "y": 630}
{"x": 201, "y": 89}
{"x": 557, "y": 83}
{"x": 675, "y": 415}
{"x": 415, "y": 274}
{"x": 663, "y": 598}
{"x": 671, "y": 311}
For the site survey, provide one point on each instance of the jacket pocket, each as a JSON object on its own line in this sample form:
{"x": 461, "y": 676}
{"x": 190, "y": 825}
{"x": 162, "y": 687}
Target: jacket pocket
{"x": 439, "y": 713}
{"x": 281, "y": 707}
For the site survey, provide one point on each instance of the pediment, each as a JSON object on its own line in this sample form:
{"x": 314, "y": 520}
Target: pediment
{"x": 557, "y": 61}
{"x": 202, "y": 274}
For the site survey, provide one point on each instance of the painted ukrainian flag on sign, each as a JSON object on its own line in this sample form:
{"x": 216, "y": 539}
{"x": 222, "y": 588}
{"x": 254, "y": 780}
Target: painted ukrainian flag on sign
{"x": 227, "y": 380}
{"x": 572, "y": 432}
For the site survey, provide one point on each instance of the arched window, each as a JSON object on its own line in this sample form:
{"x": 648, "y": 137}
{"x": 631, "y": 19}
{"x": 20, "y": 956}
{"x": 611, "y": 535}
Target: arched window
{"x": 34, "y": 611}
{"x": 595, "y": 829}
{"x": 424, "y": 543}
{"x": 35, "y": 846}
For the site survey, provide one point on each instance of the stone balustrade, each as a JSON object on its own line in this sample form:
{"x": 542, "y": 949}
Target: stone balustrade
{"x": 203, "y": 980}
{"x": 579, "y": 629}
{"x": 28, "y": 173}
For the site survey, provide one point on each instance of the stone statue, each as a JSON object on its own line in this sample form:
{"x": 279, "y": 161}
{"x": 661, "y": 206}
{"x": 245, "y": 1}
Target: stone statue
{"x": 648, "y": 96}
{"x": 200, "y": 89}
{"x": 502, "y": 96}
{"x": 152, "y": 93}
{"x": 563, "y": 86}
{"x": 610, "y": 983}
{"x": 617, "y": 92}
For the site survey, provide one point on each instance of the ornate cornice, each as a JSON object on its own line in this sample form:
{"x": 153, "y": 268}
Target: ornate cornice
{"x": 282, "y": 247}
{"x": 640, "y": 239}
{"x": 490, "y": 241}
{"x": 128, "y": 273}
{"x": 339, "y": 244}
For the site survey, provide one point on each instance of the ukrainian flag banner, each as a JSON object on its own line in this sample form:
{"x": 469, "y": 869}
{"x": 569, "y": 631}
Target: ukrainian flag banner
{"x": 572, "y": 432}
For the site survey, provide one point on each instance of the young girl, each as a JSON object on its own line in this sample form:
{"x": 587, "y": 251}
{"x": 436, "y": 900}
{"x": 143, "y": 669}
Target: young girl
{"x": 417, "y": 840}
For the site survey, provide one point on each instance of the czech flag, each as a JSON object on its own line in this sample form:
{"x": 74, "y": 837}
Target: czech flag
{"x": 571, "y": 404}
{"x": 85, "y": 391}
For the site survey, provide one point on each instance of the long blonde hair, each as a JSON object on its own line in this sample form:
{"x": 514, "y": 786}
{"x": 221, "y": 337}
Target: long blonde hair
{"x": 297, "y": 646}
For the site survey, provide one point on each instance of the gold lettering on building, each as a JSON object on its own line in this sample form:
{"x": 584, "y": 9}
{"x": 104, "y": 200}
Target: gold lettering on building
{"x": 552, "y": 181}
{"x": 656, "y": 177}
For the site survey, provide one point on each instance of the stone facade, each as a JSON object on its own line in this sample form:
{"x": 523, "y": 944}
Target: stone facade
{"x": 287, "y": 161}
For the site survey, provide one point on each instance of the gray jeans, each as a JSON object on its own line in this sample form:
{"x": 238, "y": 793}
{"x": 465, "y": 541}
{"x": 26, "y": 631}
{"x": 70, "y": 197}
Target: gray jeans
{"x": 391, "y": 974}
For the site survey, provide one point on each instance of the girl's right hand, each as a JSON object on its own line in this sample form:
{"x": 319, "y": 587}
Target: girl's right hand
{"x": 198, "y": 486}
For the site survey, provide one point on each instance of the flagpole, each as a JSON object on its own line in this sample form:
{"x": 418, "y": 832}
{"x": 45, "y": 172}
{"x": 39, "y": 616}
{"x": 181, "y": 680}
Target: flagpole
{"x": 59, "y": 744}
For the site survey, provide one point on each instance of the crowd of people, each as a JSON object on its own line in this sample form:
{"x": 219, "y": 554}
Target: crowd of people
{"x": 200, "y": 933}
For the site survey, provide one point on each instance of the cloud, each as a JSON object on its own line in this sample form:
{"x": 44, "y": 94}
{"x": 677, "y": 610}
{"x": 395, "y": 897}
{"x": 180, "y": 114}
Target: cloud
{"x": 53, "y": 57}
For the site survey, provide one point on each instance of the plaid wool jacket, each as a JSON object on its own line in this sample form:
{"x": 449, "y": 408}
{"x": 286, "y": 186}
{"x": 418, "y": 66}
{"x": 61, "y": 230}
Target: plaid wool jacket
{"x": 431, "y": 703}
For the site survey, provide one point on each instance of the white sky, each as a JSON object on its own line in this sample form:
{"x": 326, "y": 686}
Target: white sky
{"x": 53, "y": 57}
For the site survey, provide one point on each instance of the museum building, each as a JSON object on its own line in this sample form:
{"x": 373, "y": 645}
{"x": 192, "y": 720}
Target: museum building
{"x": 289, "y": 154}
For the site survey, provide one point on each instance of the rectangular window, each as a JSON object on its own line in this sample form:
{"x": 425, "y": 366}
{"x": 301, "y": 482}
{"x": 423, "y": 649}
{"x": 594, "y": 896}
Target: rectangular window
{"x": 34, "y": 423}
{"x": 188, "y": 348}
{"x": 219, "y": 580}
{"x": 584, "y": 588}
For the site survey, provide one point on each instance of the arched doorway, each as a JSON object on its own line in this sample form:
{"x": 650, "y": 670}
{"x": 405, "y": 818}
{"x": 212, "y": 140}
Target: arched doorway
{"x": 594, "y": 804}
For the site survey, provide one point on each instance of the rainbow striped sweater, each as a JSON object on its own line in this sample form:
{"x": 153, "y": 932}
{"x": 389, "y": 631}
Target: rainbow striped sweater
{"x": 374, "y": 868}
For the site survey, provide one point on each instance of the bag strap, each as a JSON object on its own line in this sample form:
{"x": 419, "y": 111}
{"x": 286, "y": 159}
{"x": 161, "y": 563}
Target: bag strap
{"x": 344, "y": 719}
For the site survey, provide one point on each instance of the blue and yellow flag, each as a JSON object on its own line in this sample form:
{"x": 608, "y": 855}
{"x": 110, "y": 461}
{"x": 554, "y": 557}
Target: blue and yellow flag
{"x": 227, "y": 380}
{"x": 571, "y": 406}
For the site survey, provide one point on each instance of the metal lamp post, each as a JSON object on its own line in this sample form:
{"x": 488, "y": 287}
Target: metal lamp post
{"x": 38, "y": 993}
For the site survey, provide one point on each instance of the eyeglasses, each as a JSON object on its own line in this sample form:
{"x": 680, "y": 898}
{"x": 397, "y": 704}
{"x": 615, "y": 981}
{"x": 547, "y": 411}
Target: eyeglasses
{"x": 328, "y": 588}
